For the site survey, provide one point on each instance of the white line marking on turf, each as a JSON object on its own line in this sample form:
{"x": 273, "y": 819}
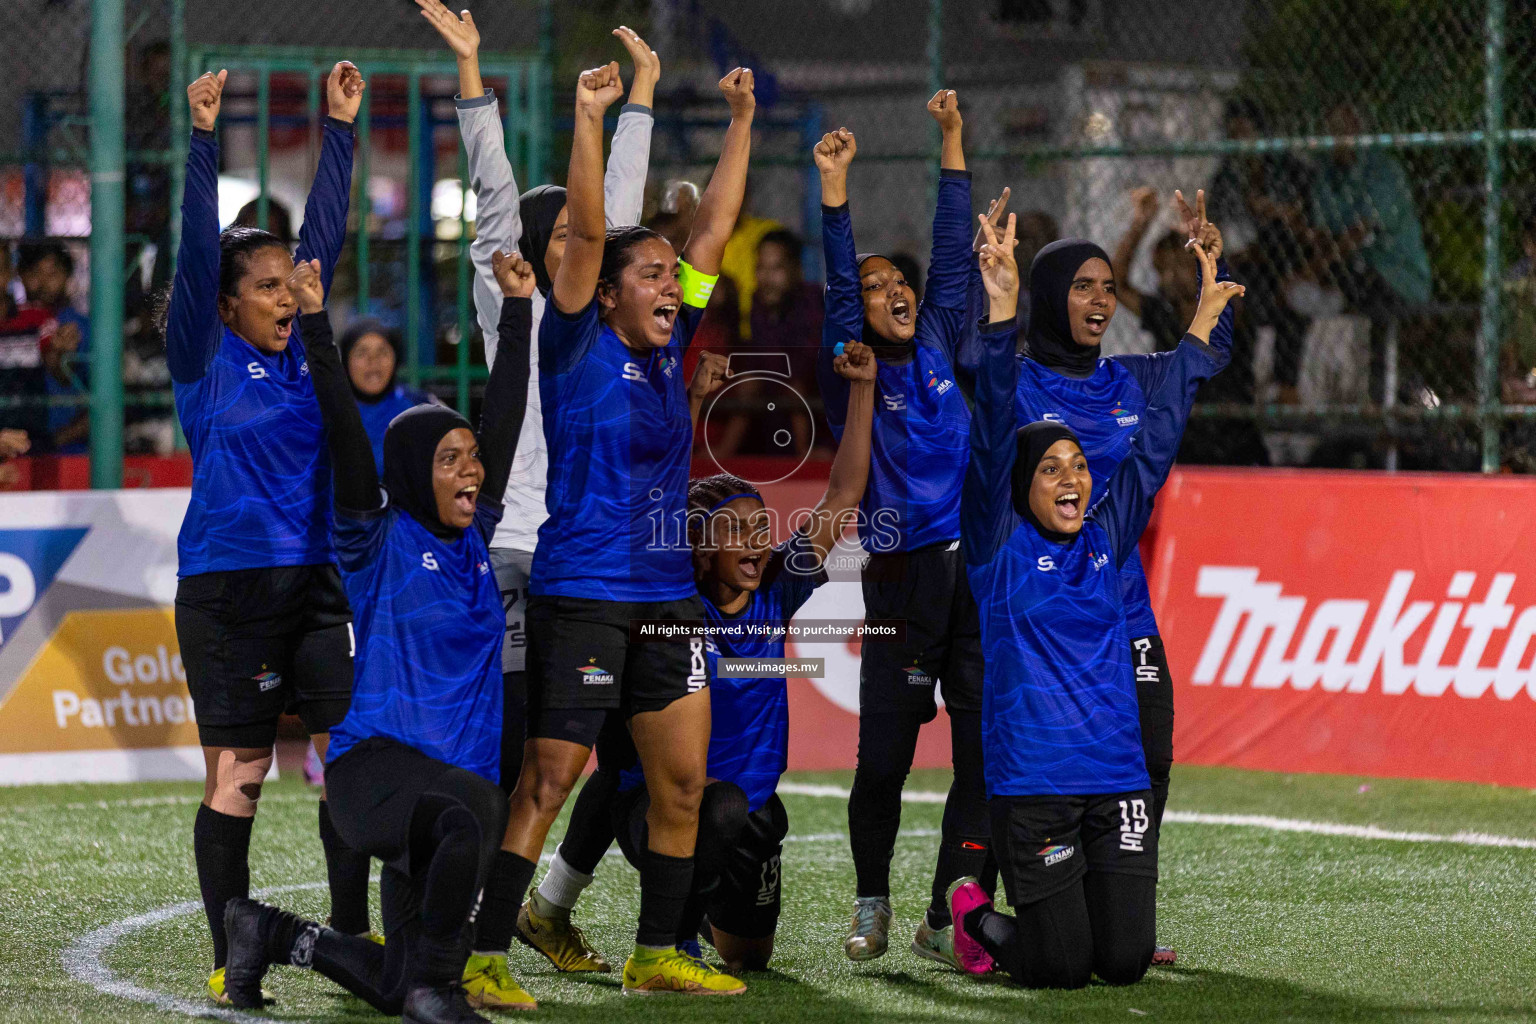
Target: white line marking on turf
{"x": 1262, "y": 821}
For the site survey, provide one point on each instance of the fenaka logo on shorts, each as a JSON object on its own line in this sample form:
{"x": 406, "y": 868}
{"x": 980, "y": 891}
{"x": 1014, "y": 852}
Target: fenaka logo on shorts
{"x": 267, "y": 680}
{"x": 917, "y": 677}
{"x": 1056, "y": 853}
{"x": 591, "y": 675}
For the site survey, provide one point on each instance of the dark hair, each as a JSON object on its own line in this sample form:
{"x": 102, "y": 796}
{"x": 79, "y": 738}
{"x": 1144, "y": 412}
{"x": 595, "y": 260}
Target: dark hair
{"x": 707, "y": 492}
{"x": 618, "y": 244}
{"x": 237, "y": 247}
{"x": 279, "y": 220}
{"x": 787, "y": 240}
{"x": 30, "y": 254}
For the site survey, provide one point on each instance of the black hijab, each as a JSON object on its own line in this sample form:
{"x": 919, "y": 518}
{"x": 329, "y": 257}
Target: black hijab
{"x": 539, "y": 207}
{"x": 1050, "y": 334}
{"x": 409, "y": 444}
{"x": 885, "y": 349}
{"x": 356, "y": 332}
{"x": 1034, "y": 440}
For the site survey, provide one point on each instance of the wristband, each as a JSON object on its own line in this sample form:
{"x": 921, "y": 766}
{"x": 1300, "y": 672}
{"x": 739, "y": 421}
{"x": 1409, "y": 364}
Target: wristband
{"x": 696, "y": 287}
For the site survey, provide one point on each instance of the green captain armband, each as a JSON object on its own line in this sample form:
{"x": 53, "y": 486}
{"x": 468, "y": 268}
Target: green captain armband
{"x": 696, "y": 287}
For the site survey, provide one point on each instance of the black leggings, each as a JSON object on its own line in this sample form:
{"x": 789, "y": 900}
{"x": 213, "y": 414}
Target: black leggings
{"x": 436, "y": 859}
{"x": 887, "y": 744}
{"x": 1154, "y": 697}
{"x": 1103, "y": 925}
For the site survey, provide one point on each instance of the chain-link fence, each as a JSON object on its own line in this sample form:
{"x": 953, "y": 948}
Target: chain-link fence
{"x": 1370, "y": 164}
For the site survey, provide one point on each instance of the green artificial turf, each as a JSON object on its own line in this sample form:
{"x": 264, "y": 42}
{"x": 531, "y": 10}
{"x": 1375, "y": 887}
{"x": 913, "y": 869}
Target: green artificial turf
{"x": 1269, "y": 925}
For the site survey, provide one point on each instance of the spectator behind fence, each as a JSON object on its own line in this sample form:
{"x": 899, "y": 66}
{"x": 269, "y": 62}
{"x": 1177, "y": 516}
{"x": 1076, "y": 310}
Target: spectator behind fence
{"x": 1164, "y": 314}
{"x": 762, "y": 418}
{"x": 45, "y": 269}
{"x": 1375, "y": 254}
{"x": 26, "y": 333}
{"x": 1260, "y": 199}
{"x": 372, "y": 353}
{"x": 1036, "y": 229}
{"x": 740, "y": 260}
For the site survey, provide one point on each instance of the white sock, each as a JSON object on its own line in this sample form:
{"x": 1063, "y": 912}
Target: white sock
{"x": 562, "y": 884}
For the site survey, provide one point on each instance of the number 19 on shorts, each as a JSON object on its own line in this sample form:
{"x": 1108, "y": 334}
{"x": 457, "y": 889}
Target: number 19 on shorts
{"x": 1133, "y": 824}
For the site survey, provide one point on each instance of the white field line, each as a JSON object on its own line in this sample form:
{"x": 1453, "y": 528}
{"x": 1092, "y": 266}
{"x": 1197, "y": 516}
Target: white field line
{"x": 1261, "y": 821}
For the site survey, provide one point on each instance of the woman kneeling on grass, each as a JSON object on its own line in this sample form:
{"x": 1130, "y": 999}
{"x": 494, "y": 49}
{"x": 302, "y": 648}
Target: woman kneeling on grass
{"x": 413, "y": 767}
{"x": 1067, "y": 785}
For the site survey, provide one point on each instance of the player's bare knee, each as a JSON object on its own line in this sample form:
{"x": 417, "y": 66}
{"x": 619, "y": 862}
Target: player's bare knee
{"x": 548, "y": 793}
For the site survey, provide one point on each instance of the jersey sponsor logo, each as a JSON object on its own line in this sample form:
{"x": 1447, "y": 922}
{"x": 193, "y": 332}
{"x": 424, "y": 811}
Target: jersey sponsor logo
{"x": 267, "y": 680}
{"x": 893, "y": 403}
{"x": 257, "y": 371}
{"x": 1045, "y": 563}
{"x": 668, "y": 364}
{"x": 1098, "y": 561}
{"x": 1124, "y": 417}
{"x": 429, "y": 561}
{"x": 483, "y": 567}
{"x": 1056, "y": 853}
{"x": 698, "y": 667}
{"x": 768, "y": 884}
{"x": 592, "y": 675}
{"x": 917, "y": 677}
{"x": 304, "y": 368}
{"x": 1053, "y": 417}
{"x": 942, "y": 386}
{"x": 632, "y": 371}
{"x": 1256, "y": 628}
{"x": 1133, "y": 825}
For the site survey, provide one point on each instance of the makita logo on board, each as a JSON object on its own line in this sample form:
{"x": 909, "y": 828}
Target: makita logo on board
{"x": 1267, "y": 638}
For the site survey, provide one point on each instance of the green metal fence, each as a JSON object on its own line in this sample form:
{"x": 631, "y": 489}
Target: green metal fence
{"x": 1271, "y": 104}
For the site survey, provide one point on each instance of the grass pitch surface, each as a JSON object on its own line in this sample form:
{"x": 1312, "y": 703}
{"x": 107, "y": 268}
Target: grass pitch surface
{"x": 1270, "y": 924}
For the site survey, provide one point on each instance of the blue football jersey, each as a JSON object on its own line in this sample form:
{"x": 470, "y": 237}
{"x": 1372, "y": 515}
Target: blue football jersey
{"x": 429, "y": 624}
{"x": 620, "y": 441}
{"x": 918, "y": 444}
{"x": 1059, "y": 707}
{"x": 1105, "y": 412}
{"x": 749, "y": 737}
{"x": 261, "y": 474}
{"x": 377, "y": 416}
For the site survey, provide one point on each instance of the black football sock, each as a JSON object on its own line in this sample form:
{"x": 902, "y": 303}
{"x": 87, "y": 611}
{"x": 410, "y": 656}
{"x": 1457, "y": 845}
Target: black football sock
{"x": 510, "y": 877}
{"x": 347, "y": 871}
{"x": 221, "y": 846}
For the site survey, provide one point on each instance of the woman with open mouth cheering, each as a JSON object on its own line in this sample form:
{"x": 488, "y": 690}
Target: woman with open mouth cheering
{"x": 911, "y": 528}
{"x": 261, "y": 616}
{"x": 1067, "y": 786}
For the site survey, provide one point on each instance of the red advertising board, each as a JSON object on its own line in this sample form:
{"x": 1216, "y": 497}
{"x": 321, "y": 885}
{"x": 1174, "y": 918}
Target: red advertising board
{"x": 1375, "y": 624}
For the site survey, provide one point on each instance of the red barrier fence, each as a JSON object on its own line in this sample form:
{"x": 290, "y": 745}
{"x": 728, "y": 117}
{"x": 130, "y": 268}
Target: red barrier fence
{"x": 1374, "y": 624}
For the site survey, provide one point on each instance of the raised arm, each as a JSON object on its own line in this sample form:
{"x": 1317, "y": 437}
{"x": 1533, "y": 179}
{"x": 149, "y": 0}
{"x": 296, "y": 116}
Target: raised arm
{"x": 967, "y": 357}
{"x": 709, "y": 375}
{"x": 720, "y": 204}
{"x": 844, "y": 319}
{"x": 325, "y": 212}
{"x": 1143, "y": 211}
{"x": 498, "y": 218}
{"x": 951, "y": 262}
{"x": 987, "y": 518}
{"x": 506, "y": 393}
{"x": 850, "y": 467}
{"x": 1127, "y": 504}
{"x": 192, "y": 323}
{"x": 629, "y": 154}
{"x": 356, "y": 478}
{"x": 576, "y": 282}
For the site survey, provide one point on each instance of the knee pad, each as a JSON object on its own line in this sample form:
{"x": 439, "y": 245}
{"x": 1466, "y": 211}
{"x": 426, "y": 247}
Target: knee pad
{"x": 237, "y": 784}
{"x": 723, "y": 809}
